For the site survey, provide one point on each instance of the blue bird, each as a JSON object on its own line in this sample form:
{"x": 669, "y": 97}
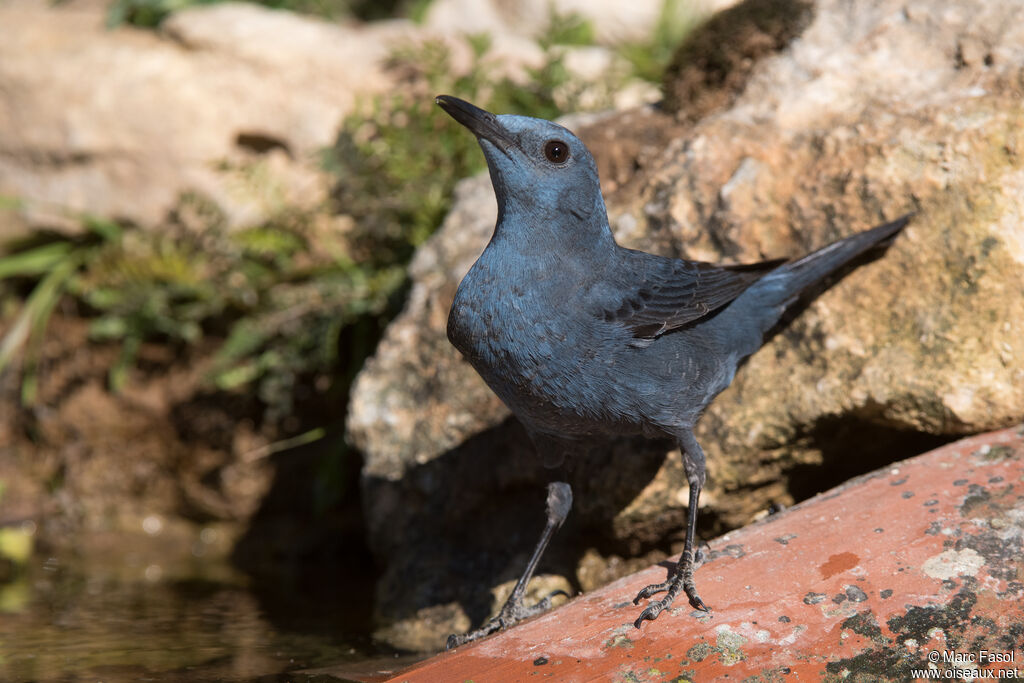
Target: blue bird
{"x": 583, "y": 338}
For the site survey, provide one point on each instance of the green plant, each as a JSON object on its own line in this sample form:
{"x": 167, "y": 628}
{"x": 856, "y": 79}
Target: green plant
{"x": 305, "y": 306}
{"x": 50, "y": 262}
{"x": 272, "y": 298}
{"x": 566, "y": 28}
{"x": 398, "y": 157}
{"x": 395, "y": 161}
{"x": 146, "y": 13}
{"x": 649, "y": 57}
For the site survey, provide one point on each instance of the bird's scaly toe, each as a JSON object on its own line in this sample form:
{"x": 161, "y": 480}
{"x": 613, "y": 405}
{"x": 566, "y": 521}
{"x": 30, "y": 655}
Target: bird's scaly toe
{"x": 511, "y": 614}
{"x": 653, "y": 589}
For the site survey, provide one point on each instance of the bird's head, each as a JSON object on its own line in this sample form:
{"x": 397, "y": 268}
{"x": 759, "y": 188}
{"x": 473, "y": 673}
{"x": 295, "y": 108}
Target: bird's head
{"x": 537, "y": 167}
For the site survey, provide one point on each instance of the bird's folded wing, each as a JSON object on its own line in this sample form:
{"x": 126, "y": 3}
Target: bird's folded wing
{"x": 664, "y": 294}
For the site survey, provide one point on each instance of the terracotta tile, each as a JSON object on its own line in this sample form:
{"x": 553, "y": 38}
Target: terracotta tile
{"x": 863, "y": 581}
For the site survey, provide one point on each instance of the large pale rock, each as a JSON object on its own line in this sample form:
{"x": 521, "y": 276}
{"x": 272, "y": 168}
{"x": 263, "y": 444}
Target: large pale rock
{"x": 874, "y": 109}
{"x": 120, "y": 122}
{"x": 612, "y": 21}
{"x": 231, "y": 100}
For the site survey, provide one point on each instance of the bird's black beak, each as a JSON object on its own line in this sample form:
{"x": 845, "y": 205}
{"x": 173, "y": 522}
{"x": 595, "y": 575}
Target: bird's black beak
{"x": 482, "y": 123}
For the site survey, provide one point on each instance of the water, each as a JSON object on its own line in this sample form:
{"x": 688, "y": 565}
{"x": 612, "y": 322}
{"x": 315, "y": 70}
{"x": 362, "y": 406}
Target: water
{"x": 62, "y": 619}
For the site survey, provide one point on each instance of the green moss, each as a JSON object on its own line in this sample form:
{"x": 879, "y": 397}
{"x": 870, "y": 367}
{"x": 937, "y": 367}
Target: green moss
{"x": 619, "y": 640}
{"x": 997, "y": 453}
{"x": 730, "y": 647}
{"x": 698, "y": 653}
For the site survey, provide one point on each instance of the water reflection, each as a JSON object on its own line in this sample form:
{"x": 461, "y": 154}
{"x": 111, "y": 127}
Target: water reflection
{"x": 199, "y": 622}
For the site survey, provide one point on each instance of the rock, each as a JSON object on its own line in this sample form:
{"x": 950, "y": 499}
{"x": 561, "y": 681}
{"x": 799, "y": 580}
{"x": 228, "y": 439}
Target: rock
{"x": 871, "y": 111}
{"x": 611, "y": 20}
{"x": 231, "y": 101}
{"x": 120, "y": 122}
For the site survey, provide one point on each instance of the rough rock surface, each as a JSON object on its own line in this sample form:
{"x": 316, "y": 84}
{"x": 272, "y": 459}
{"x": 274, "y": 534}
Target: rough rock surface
{"x": 874, "y": 109}
{"x": 612, "y": 21}
{"x": 118, "y": 122}
{"x": 231, "y": 100}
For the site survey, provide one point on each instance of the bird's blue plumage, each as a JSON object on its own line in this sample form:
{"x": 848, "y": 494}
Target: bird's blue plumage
{"x": 581, "y": 337}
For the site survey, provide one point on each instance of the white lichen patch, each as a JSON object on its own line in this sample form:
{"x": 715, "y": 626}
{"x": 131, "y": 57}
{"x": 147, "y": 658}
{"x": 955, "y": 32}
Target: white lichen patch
{"x": 951, "y": 563}
{"x": 730, "y": 644}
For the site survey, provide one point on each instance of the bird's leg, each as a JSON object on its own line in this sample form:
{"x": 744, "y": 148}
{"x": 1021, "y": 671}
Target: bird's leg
{"x": 682, "y": 574}
{"x": 559, "y": 503}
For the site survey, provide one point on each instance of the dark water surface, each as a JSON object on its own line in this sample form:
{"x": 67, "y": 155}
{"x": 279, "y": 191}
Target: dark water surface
{"x": 65, "y": 620}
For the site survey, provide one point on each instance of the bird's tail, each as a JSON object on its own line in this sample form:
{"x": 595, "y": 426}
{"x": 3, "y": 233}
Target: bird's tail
{"x": 767, "y": 299}
{"x": 800, "y": 274}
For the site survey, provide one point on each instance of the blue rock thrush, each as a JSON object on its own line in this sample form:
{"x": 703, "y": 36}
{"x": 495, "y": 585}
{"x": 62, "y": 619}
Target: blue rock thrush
{"x": 581, "y": 337}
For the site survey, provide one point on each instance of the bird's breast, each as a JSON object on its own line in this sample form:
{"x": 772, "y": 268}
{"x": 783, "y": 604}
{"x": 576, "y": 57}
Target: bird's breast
{"x": 503, "y": 330}
{"x": 549, "y": 361}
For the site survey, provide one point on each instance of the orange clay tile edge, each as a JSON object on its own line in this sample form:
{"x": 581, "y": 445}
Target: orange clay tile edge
{"x": 868, "y": 579}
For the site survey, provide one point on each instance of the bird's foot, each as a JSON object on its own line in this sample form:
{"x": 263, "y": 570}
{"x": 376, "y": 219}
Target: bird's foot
{"x": 682, "y": 579}
{"x": 512, "y": 612}
{"x": 671, "y": 588}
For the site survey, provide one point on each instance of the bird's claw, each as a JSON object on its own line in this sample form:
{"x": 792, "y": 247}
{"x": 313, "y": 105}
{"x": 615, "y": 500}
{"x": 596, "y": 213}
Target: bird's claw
{"x": 671, "y": 586}
{"x": 542, "y": 606}
{"x": 696, "y": 602}
{"x": 650, "y": 613}
{"x": 457, "y": 639}
{"x": 511, "y": 613}
{"x": 653, "y": 589}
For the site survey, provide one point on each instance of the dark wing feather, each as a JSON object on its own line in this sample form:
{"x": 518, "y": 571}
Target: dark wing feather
{"x": 665, "y": 293}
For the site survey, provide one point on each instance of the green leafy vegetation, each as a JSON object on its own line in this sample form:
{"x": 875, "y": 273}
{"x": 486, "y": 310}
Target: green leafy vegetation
{"x": 50, "y": 262}
{"x": 273, "y": 297}
{"x": 396, "y": 160}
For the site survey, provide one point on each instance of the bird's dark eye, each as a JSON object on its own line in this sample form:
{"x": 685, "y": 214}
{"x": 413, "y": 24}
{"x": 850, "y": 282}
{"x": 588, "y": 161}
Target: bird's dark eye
{"x": 556, "y": 151}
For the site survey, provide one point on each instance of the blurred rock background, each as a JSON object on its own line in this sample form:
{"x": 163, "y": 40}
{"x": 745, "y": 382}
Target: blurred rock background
{"x": 212, "y": 215}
